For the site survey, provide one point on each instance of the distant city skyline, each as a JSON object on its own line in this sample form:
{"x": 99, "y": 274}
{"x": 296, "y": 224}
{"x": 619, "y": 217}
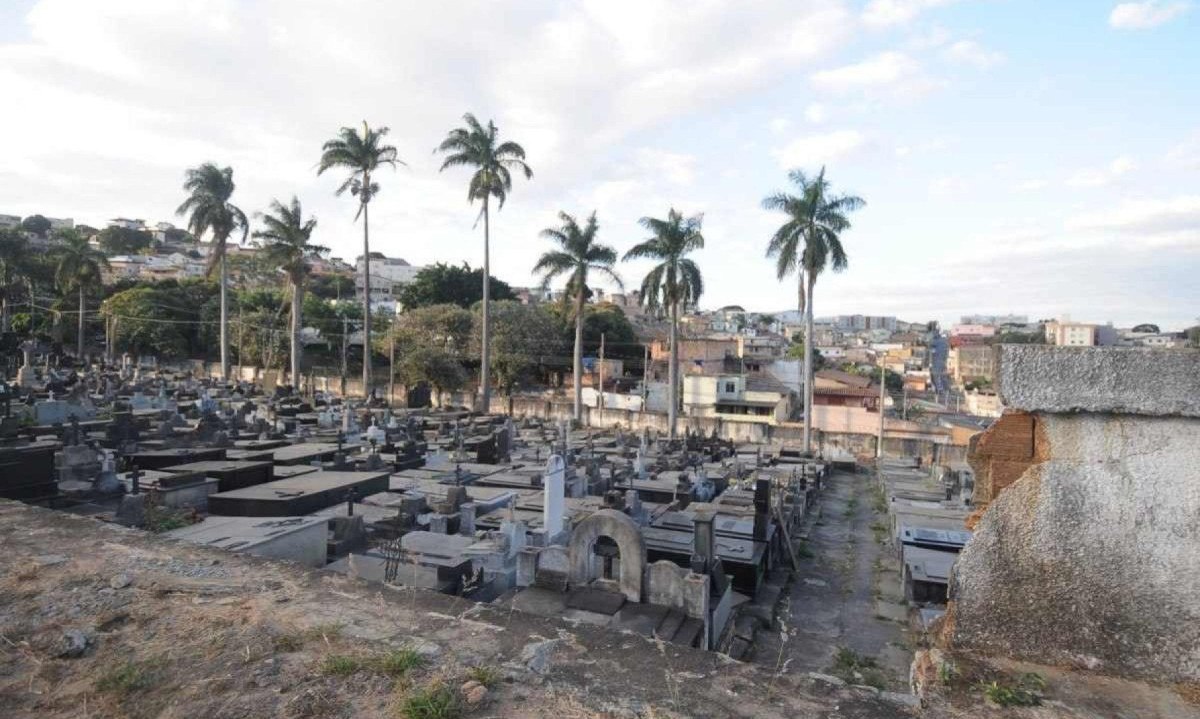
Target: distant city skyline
{"x": 1043, "y": 158}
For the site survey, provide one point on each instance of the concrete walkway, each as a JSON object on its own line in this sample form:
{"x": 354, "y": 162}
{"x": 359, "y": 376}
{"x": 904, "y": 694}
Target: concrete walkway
{"x": 847, "y": 593}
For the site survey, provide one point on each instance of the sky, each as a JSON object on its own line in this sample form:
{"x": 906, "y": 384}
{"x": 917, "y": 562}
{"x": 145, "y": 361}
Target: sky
{"x": 1016, "y": 156}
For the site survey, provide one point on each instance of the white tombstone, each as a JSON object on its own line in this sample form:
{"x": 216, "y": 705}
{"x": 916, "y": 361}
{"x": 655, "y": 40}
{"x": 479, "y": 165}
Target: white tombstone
{"x": 554, "y": 502}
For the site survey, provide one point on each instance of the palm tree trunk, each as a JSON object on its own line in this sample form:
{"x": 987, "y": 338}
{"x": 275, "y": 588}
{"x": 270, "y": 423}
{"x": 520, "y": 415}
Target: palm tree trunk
{"x": 79, "y": 340}
{"x": 673, "y": 373}
{"x": 224, "y": 317}
{"x": 4, "y": 310}
{"x": 366, "y": 297}
{"x": 297, "y": 303}
{"x": 578, "y": 367}
{"x": 485, "y": 386}
{"x": 808, "y": 366}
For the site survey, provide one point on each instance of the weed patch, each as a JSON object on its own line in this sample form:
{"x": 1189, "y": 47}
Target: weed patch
{"x": 435, "y": 700}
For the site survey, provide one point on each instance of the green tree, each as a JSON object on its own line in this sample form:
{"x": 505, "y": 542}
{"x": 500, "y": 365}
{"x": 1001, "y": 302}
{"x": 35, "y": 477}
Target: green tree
{"x": 13, "y": 251}
{"x": 149, "y": 318}
{"x": 577, "y": 256}
{"x": 79, "y": 267}
{"x": 361, "y": 155}
{"x": 524, "y": 342}
{"x": 441, "y": 284}
{"x": 287, "y": 235}
{"x": 36, "y": 225}
{"x": 674, "y": 281}
{"x": 209, "y": 210}
{"x": 478, "y": 147}
{"x": 442, "y": 370}
{"x": 331, "y": 286}
{"x": 806, "y": 243}
{"x": 124, "y": 241}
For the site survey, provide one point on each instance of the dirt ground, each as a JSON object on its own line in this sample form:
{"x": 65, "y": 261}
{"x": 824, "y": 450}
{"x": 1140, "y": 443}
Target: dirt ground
{"x": 100, "y": 621}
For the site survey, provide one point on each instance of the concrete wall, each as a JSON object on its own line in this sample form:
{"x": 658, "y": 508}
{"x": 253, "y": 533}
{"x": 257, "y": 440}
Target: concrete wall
{"x": 1089, "y": 551}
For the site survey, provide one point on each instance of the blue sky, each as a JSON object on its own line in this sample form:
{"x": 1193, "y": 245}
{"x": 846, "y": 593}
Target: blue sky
{"x": 1031, "y": 157}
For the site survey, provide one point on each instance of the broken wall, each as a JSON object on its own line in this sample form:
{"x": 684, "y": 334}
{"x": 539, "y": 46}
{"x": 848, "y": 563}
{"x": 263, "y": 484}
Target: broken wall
{"x": 1088, "y": 552}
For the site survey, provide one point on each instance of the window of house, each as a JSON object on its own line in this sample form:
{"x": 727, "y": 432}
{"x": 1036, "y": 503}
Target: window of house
{"x": 730, "y": 387}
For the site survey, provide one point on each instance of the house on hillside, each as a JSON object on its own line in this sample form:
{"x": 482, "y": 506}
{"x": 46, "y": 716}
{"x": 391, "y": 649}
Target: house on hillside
{"x": 737, "y": 398}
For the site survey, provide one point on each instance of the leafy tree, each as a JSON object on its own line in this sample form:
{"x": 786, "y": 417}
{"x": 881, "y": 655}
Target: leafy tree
{"x": 674, "y": 281}
{"x": 287, "y": 236}
{"x": 806, "y": 243}
{"x": 440, "y": 369}
{"x": 796, "y": 351}
{"x": 36, "y": 225}
{"x": 621, "y": 338}
{"x": 208, "y": 209}
{"x": 1021, "y": 338}
{"x": 523, "y": 342}
{"x": 176, "y": 236}
{"x": 124, "y": 241}
{"x": 167, "y": 318}
{"x": 441, "y": 284}
{"x": 79, "y": 267}
{"x": 331, "y": 286}
{"x": 13, "y": 251}
{"x": 1193, "y": 335}
{"x": 477, "y": 147}
{"x": 361, "y": 155}
{"x": 578, "y": 255}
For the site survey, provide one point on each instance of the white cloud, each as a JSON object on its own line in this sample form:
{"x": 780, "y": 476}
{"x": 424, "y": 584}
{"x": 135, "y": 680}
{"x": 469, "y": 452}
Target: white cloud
{"x": 1187, "y": 153}
{"x": 947, "y": 187}
{"x": 260, "y": 85}
{"x": 814, "y": 150}
{"x": 677, "y": 168}
{"x": 921, "y": 148}
{"x": 1154, "y": 221}
{"x": 816, "y": 113}
{"x": 779, "y": 124}
{"x": 1099, "y": 176}
{"x": 884, "y": 13}
{"x": 969, "y": 52}
{"x": 891, "y": 73}
{"x": 1142, "y": 15}
{"x": 1032, "y": 185}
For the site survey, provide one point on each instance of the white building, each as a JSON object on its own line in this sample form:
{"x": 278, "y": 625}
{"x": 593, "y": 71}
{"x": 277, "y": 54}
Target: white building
{"x": 1070, "y": 334}
{"x": 389, "y": 276}
{"x": 126, "y": 223}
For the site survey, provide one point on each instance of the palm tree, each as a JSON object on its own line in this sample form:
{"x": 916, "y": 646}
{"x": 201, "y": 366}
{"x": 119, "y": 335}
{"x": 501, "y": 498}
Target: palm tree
{"x": 806, "y": 243}
{"x": 287, "y": 235}
{"x": 674, "y": 281}
{"x": 79, "y": 266}
{"x": 579, "y": 255}
{"x": 361, "y": 154}
{"x": 478, "y": 147}
{"x": 13, "y": 249}
{"x": 208, "y": 209}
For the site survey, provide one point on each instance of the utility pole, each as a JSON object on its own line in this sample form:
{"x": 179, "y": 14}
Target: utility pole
{"x": 600, "y": 397}
{"x": 904, "y": 404}
{"x": 345, "y": 347}
{"x": 645, "y": 376}
{"x": 392, "y": 364}
{"x": 882, "y": 388}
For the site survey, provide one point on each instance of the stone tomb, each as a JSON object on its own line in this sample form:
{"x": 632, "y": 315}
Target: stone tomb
{"x": 298, "y": 495}
{"x": 298, "y": 539}
{"x": 231, "y": 474}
